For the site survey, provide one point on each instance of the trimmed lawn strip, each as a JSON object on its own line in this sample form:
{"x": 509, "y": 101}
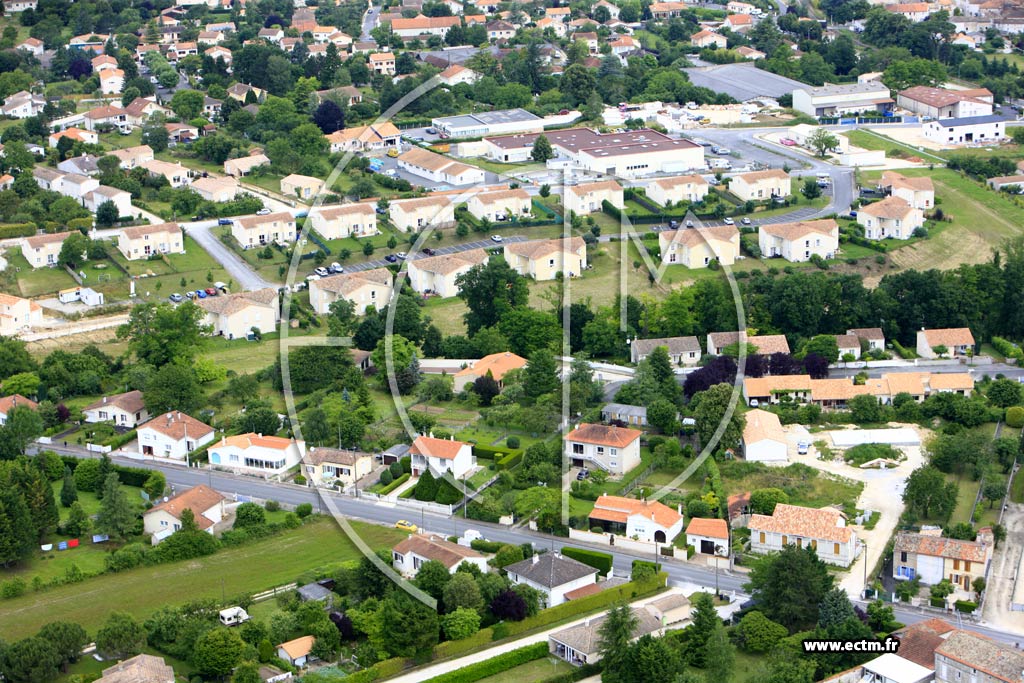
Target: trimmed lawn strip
{"x": 246, "y": 569}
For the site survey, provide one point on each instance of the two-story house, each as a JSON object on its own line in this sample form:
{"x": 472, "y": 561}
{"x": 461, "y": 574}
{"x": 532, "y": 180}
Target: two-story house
{"x": 824, "y": 530}
{"x": 143, "y": 241}
{"x": 438, "y": 274}
{"x": 891, "y": 218}
{"x": 259, "y": 231}
{"x": 799, "y": 241}
{"x": 366, "y": 289}
{"x": 349, "y": 220}
{"x": 697, "y": 248}
{"x": 545, "y": 259}
{"x": 330, "y": 466}
{"x": 614, "y": 449}
{"x": 966, "y": 657}
{"x": 500, "y": 205}
{"x": 413, "y": 215}
{"x": 17, "y": 314}
{"x": 123, "y": 410}
{"x": 589, "y": 197}
{"x": 233, "y": 316}
{"x": 872, "y": 337}
{"x": 676, "y": 189}
{"x": 164, "y": 518}
{"x": 931, "y": 557}
{"x": 918, "y": 192}
{"x": 761, "y": 185}
{"x": 43, "y": 250}
{"x": 440, "y": 456}
{"x": 173, "y": 435}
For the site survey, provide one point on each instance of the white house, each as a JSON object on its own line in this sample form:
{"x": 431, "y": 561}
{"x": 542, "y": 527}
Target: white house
{"x": 439, "y": 169}
{"x": 799, "y": 241}
{"x": 648, "y": 521}
{"x": 681, "y": 350}
{"x": 9, "y": 403}
{"x": 708, "y": 536}
{"x": 256, "y": 454}
{"x": 297, "y": 652}
{"x": 349, "y": 220}
{"x": 440, "y": 456}
{"x": 409, "y": 555}
{"x": 675, "y": 189}
{"x": 764, "y": 440}
{"x": 823, "y": 529}
{"x": 589, "y": 197}
{"x": 173, "y": 435}
{"x": 366, "y": 289}
{"x": 164, "y": 518}
{"x": 331, "y": 465}
{"x": 124, "y": 410}
{"x": 553, "y": 575}
{"x": 438, "y": 274}
{"x": 233, "y": 316}
{"x": 614, "y": 449}
{"x": 891, "y": 218}
{"x": 919, "y": 192}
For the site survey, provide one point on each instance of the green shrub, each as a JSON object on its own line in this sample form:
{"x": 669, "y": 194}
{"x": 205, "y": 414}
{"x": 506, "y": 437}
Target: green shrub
{"x": 512, "y": 442}
{"x": 494, "y": 665}
{"x": 272, "y": 506}
{"x": 482, "y": 546}
{"x": 602, "y": 562}
{"x": 965, "y": 606}
{"x": 17, "y": 230}
{"x": 394, "y": 485}
{"x": 1015, "y": 417}
{"x": 1008, "y": 348}
{"x": 304, "y": 510}
{"x": 386, "y": 478}
{"x": 509, "y": 461}
{"x": 379, "y": 671}
{"x": 456, "y": 648}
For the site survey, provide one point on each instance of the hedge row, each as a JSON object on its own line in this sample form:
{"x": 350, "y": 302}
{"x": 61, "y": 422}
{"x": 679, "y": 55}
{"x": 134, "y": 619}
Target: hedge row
{"x": 386, "y": 669}
{"x": 965, "y": 606}
{"x": 17, "y": 230}
{"x": 1008, "y": 348}
{"x": 482, "y": 546}
{"x": 591, "y": 603}
{"x": 509, "y": 461}
{"x": 494, "y": 665}
{"x": 646, "y": 563}
{"x": 121, "y": 440}
{"x": 577, "y": 674}
{"x": 602, "y": 562}
{"x": 870, "y": 244}
{"x": 130, "y": 476}
{"x": 491, "y": 452}
{"x": 394, "y": 485}
{"x": 715, "y": 482}
{"x": 455, "y": 648}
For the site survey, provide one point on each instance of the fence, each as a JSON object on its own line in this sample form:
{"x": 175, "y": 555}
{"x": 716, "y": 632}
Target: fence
{"x": 623, "y": 543}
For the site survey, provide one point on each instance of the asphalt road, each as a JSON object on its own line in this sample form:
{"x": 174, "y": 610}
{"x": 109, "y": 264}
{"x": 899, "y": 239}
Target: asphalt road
{"x": 244, "y": 276}
{"x": 439, "y": 251}
{"x": 370, "y": 19}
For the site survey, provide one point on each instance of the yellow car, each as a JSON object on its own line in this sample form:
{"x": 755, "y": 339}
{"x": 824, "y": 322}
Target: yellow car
{"x": 406, "y": 526}
{"x": 393, "y": 152}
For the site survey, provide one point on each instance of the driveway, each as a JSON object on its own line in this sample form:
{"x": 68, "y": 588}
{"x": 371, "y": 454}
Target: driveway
{"x": 999, "y": 594}
{"x": 244, "y": 276}
{"x": 439, "y": 251}
{"x": 883, "y": 492}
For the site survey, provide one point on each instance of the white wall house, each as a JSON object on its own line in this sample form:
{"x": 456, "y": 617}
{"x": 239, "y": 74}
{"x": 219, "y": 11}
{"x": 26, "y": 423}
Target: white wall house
{"x": 648, "y": 521}
{"x": 708, "y": 536}
{"x": 553, "y": 575}
{"x": 823, "y": 529}
{"x": 173, "y": 435}
{"x": 164, "y": 518}
{"x": 440, "y": 456}
{"x": 123, "y": 410}
{"x": 409, "y": 555}
{"x": 614, "y": 449}
{"x": 763, "y": 438}
{"x": 256, "y": 454}
{"x": 799, "y": 241}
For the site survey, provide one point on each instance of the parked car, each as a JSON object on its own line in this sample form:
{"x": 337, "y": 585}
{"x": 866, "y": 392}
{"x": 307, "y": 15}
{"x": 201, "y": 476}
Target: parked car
{"x": 745, "y": 221}
{"x": 321, "y": 271}
{"x": 393, "y": 152}
{"x": 431, "y": 131}
{"x": 211, "y": 291}
{"x": 336, "y": 268}
{"x": 201, "y": 294}
{"x": 404, "y": 525}
{"x": 391, "y": 258}
{"x": 689, "y": 224}
{"x": 401, "y": 255}
{"x": 224, "y": 221}
{"x": 802, "y": 447}
{"x": 496, "y": 238}
{"x": 380, "y": 210}
{"x": 582, "y": 474}
{"x": 428, "y": 251}
{"x": 728, "y": 221}
{"x": 176, "y": 298}
{"x": 263, "y": 212}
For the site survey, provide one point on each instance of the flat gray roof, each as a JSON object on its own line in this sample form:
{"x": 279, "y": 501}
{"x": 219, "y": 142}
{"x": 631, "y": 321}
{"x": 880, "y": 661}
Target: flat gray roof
{"x": 742, "y": 82}
{"x": 488, "y": 118}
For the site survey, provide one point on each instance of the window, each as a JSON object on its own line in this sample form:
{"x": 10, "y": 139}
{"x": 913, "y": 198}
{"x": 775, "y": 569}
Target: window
{"x": 761, "y": 539}
{"x": 903, "y": 557}
{"x": 785, "y": 540}
{"x": 613, "y": 451}
{"x": 396, "y": 558}
{"x": 967, "y": 565}
{"x": 814, "y": 544}
{"x": 956, "y": 565}
{"x": 835, "y": 548}
{"x": 600, "y": 450}
{"x": 577, "y": 449}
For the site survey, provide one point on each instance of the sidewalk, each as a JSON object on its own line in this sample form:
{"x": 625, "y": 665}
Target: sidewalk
{"x": 433, "y": 670}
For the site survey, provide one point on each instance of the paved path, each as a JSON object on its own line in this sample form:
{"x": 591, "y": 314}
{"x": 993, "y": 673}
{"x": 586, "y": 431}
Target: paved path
{"x": 239, "y": 270}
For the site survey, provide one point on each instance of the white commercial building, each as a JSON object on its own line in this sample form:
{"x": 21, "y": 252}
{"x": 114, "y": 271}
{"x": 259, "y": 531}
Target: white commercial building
{"x": 837, "y": 100}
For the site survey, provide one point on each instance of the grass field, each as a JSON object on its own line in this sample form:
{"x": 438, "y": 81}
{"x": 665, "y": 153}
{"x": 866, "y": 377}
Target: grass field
{"x": 874, "y": 141}
{"x": 537, "y": 670}
{"x": 809, "y": 489}
{"x": 981, "y": 220}
{"x": 246, "y": 569}
{"x": 966, "y": 495}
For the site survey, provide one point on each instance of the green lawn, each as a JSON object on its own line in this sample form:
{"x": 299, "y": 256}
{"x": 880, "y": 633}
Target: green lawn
{"x": 247, "y": 569}
{"x": 980, "y": 221}
{"x": 967, "y": 494}
{"x": 537, "y": 670}
{"x": 866, "y": 139}
{"x": 31, "y": 282}
{"x": 806, "y": 487}
{"x": 88, "y": 669}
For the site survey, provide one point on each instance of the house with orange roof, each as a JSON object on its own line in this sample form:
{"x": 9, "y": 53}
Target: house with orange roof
{"x": 544, "y": 259}
{"x": 823, "y": 530}
{"x": 258, "y": 231}
{"x": 413, "y": 215}
{"x": 257, "y": 454}
{"x": 495, "y": 364}
{"x": 173, "y": 435}
{"x": 75, "y": 135}
{"x": 111, "y": 81}
{"x": 589, "y": 197}
{"x": 697, "y": 248}
{"x": 914, "y": 11}
{"x": 764, "y": 344}
{"x": 799, "y": 241}
{"x": 676, "y": 189}
{"x": 500, "y": 205}
{"x": 297, "y": 652}
{"x": 918, "y": 192}
{"x": 382, "y": 63}
{"x": 235, "y": 316}
{"x": 615, "y": 450}
{"x": 440, "y": 456}
{"x": 371, "y": 138}
{"x": 164, "y": 518}
{"x": 347, "y": 220}
{"x": 761, "y": 185}
{"x": 739, "y": 22}
{"x": 9, "y": 403}
{"x": 33, "y": 46}
{"x": 647, "y": 521}
{"x": 891, "y": 218}
{"x": 43, "y": 250}
{"x": 438, "y": 274}
{"x": 18, "y": 315}
{"x": 764, "y": 440}
{"x": 931, "y": 557}
{"x": 421, "y": 25}
{"x": 705, "y": 38}
{"x": 456, "y": 74}
{"x": 439, "y": 168}
{"x": 667, "y": 10}
{"x": 957, "y": 341}
{"x": 409, "y": 555}
{"x": 708, "y": 536}
{"x": 142, "y": 241}
{"x": 366, "y": 289}
{"x": 124, "y": 410}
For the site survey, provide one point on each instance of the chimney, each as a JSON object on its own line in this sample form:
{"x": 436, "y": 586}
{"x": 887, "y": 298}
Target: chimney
{"x": 260, "y": 435}
{"x": 679, "y": 508}
{"x": 536, "y": 558}
{"x": 104, "y": 399}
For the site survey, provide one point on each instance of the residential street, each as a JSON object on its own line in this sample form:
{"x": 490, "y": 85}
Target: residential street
{"x": 244, "y": 276}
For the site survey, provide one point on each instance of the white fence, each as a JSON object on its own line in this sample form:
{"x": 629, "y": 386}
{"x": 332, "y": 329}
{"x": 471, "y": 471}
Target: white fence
{"x": 96, "y": 448}
{"x": 619, "y": 542}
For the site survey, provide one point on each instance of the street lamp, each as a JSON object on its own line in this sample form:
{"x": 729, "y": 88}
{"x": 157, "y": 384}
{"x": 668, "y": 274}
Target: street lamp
{"x": 718, "y": 553}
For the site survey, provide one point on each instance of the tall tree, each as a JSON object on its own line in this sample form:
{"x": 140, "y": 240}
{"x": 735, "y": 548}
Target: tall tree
{"x": 790, "y": 586}
{"x": 615, "y": 634}
{"x": 719, "y": 656}
{"x": 540, "y": 376}
{"x": 173, "y": 387}
{"x": 67, "y": 639}
{"x": 68, "y": 490}
{"x": 490, "y": 291}
{"x": 217, "y": 652}
{"x": 16, "y": 528}
{"x": 121, "y": 636}
{"x": 542, "y": 150}
{"x": 116, "y": 516}
{"x": 161, "y": 333}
